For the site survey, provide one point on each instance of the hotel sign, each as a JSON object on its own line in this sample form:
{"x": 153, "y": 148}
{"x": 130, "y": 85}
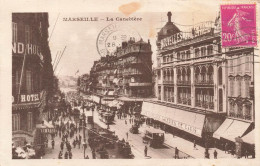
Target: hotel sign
{"x": 27, "y": 98}
{"x": 27, "y": 49}
{"x": 198, "y": 30}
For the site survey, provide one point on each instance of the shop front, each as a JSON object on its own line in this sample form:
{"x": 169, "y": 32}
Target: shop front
{"x": 189, "y": 125}
{"x": 229, "y": 134}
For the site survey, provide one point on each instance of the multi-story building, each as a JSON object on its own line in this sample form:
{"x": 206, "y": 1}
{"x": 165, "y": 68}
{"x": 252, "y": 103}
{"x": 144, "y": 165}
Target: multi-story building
{"x": 31, "y": 74}
{"x": 126, "y": 74}
{"x": 201, "y": 82}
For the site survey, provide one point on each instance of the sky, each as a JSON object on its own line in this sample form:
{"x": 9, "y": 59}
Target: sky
{"x": 80, "y": 37}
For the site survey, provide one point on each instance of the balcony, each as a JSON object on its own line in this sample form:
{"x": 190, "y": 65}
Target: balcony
{"x": 204, "y": 104}
{"x": 240, "y": 116}
{"x": 183, "y": 82}
{"x": 168, "y": 82}
{"x": 140, "y": 84}
{"x": 204, "y": 82}
{"x": 186, "y": 101}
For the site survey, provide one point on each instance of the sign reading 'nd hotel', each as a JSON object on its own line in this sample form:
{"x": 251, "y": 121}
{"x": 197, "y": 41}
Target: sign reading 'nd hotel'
{"x": 27, "y": 49}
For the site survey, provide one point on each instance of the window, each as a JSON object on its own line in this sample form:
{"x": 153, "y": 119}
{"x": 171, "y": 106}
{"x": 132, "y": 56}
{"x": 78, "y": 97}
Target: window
{"x": 188, "y": 54}
{"x": 203, "y": 51}
{"x": 210, "y": 50}
{"x": 16, "y": 122}
{"x": 14, "y": 29}
{"x": 247, "y": 63}
{"x": 29, "y": 121}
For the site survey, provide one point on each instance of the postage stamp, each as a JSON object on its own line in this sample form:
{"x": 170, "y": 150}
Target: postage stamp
{"x": 238, "y": 25}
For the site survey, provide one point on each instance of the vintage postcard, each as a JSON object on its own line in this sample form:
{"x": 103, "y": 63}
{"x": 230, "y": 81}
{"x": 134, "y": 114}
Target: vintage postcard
{"x": 127, "y": 81}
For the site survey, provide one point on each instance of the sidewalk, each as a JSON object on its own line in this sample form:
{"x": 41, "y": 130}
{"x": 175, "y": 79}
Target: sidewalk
{"x": 187, "y": 146}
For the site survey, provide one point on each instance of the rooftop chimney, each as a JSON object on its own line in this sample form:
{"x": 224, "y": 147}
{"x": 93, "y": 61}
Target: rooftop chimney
{"x": 169, "y": 14}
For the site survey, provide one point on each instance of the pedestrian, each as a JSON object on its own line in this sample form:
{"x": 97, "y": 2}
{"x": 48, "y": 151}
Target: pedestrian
{"x": 194, "y": 145}
{"x": 79, "y": 138}
{"x": 61, "y": 146}
{"x": 60, "y": 155}
{"x": 70, "y": 155}
{"x": 129, "y": 120}
{"x": 125, "y": 122}
{"x": 93, "y": 154}
{"x": 74, "y": 143}
{"x": 215, "y": 154}
{"x": 126, "y": 135}
{"x": 52, "y": 143}
{"x": 176, "y": 153}
{"x": 145, "y": 150}
{"x": 79, "y": 142}
{"x": 66, "y": 155}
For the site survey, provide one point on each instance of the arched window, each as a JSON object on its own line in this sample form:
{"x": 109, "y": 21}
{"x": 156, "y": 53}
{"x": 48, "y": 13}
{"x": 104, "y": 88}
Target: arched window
{"x": 210, "y": 74}
{"x": 179, "y": 75}
{"x": 183, "y": 75}
{"x": 197, "y": 73}
{"x": 220, "y": 76}
{"x": 188, "y": 75}
{"x": 203, "y": 74}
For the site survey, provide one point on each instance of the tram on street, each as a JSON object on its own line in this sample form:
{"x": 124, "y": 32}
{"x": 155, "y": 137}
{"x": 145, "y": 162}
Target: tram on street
{"x": 153, "y": 137}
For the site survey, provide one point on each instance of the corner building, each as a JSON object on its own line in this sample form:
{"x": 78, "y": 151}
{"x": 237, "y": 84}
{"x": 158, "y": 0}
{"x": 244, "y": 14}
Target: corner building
{"x": 31, "y": 75}
{"x": 199, "y": 84}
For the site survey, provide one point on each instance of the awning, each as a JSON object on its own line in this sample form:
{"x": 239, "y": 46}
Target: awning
{"x": 184, "y": 120}
{"x": 249, "y": 138}
{"x": 224, "y": 126}
{"x": 231, "y": 129}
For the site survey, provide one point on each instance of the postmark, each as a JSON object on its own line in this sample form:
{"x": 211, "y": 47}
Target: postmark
{"x": 238, "y": 25}
{"x": 112, "y": 37}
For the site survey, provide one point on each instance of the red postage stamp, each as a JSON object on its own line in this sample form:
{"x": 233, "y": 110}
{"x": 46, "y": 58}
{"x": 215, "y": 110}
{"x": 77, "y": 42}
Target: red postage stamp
{"x": 238, "y": 25}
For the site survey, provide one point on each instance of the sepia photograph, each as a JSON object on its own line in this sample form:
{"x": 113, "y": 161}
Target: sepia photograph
{"x": 175, "y": 84}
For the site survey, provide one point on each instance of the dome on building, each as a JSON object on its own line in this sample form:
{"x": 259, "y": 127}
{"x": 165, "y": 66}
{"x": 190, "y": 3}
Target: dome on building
{"x": 168, "y": 29}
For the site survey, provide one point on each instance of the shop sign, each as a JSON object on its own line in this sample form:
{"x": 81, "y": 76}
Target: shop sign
{"x": 27, "y": 98}
{"x": 173, "y": 123}
{"x": 197, "y": 30}
{"x": 27, "y": 49}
